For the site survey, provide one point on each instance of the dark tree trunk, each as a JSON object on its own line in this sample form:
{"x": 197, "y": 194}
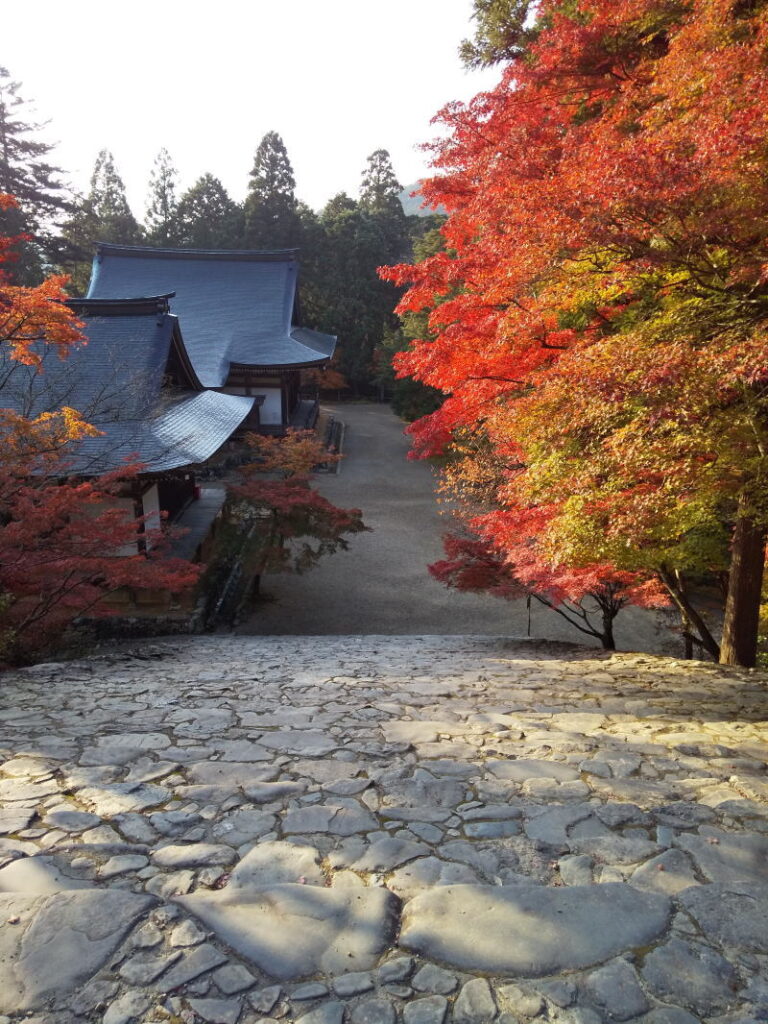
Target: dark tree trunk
{"x": 690, "y": 617}
{"x": 688, "y": 645}
{"x": 745, "y": 582}
{"x": 609, "y": 644}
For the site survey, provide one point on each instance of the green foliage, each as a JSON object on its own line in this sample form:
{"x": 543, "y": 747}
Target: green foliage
{"x": 206, "y": 217}
{"x": 102, "y": 216}
{"x": 502, "y": 32}
{"x": 160, "y": 222}
{"x": 36, "y": 185}
{"x": 410, "y": 398}
{"x": 271, "y": 215}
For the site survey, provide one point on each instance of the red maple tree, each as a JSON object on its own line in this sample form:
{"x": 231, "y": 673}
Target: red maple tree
{"x": 600, "y": 314}
{"x": 62, "y": 538}
{"x": 277, "y": 487}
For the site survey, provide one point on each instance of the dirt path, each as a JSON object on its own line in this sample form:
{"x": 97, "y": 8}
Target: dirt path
{"x": 381, "y": 585}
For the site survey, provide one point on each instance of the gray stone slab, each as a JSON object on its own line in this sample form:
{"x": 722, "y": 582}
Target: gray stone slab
{"x": 669, "y": 1015}
{"x": 527, "y": 930}
{"x": 273, "y": 863}
{"x": 243, "y": 751}
{"x": 521, "y": 769}
{"x": 127, "y": 1008}
{"x": 397, "y": 969}
{"x": 123, "y": 797}
{"x": 475, "y": 1003}
{"x": 553, "y": 825}
{"x": 387, "y": 854}
{"x": 728, "y": 857}
{"x": 521, "y": 1000}
{"x": 734, "y": 914}
{"x": 294, "y": 931}
{"x": 615, "y": 849}
{"x": 143, "y": 968}
{"x": 671, "y": 872}
{"x": 418, "y": 814}
{"x": 122, "y": 748}
{"x": 331, "y": 1012}
{"x": 229, "y": 774}
{"x": 410, "y": 879}
{"x": 312, "y": 990}
{"x": 492, "y": 812}
{"x": 121, "y": 864}
{"x": 692, "y": 976}
{"x": 491, "y": 829}
{"x": 244, "y": 825}
{"x": 435, "y": 980}
{"x": 374, "y": 1011}
{"x": 197, "y": 962}
{"x": 70, "y": 820}
{"x": 616, "y": 990}
{"x": 59, "y": 942}
{"x": 192, "y": 855}
{"x": 264, "y": 999}
{"x": 415, "y": 732}
{"x": 37, "y": 876}
{"x": 14, "y": 819}
{"x": 576, "y": 870}
{"x": 304, "y": 742}
{"x": 353, "y": 984}
{"x": 266, "y": 792}
{"x": 217, "y": 1011}
{"x": 15, "y": 789}
{"x": 430, "y": 1010}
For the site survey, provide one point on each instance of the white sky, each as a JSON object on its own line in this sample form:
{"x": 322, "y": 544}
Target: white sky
{"x": 336, "y": 78}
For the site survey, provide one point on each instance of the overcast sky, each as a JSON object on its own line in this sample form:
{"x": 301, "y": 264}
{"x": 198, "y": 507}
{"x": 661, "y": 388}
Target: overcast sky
{"x": 336, "y": 78}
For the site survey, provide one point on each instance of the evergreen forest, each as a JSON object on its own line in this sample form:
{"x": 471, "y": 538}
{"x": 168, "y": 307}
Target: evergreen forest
{"x": 340, "y": 247}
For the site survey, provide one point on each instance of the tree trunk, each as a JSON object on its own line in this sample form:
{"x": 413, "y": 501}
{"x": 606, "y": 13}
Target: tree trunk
{"x": 690, "y": 617}
{"x": 609, "y": 644}
{"x": 745, "y": 582}
{"x": 688, "y": 645}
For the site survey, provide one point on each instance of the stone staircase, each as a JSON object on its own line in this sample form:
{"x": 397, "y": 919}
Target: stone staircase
{"x": 382, "y": 830}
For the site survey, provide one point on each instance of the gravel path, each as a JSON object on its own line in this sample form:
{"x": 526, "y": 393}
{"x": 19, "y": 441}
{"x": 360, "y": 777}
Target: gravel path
{"x": 382, "y": 830}
{"x": 381, "y": 585}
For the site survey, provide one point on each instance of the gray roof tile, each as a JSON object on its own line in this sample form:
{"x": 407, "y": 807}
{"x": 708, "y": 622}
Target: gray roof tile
{"x": 116, "y": 380}
{"x": 234, "y": 306}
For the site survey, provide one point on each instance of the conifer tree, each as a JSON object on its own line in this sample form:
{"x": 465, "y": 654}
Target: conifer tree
{"x": 207, "y": 218}
{"x": 380, "y": 199}
{"x": 103, "y": 216}
{"x": 502, "y": 30}
{"x": 380, "y": 190}
{"x": 40, "y": 194}
{"x": 160, "y": 222}
{"x": 271, "y": 214}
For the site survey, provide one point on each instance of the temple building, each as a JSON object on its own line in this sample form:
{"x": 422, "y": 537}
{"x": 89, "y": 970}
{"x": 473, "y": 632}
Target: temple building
{"x": 237, "y": 311}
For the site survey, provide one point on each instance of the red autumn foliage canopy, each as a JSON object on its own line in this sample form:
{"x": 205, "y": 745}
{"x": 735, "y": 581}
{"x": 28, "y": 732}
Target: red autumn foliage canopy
{"x": 277, "y": 486}
{"x": 599, "y": 319}
{"x": 62, "y": 540}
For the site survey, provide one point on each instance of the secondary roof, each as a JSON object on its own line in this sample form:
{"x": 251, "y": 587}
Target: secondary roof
{"x": 133, "y": 381}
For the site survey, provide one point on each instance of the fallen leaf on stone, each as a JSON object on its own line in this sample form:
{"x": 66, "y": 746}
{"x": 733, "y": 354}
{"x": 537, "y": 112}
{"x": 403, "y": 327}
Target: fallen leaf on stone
{"x": 14, "y": 920}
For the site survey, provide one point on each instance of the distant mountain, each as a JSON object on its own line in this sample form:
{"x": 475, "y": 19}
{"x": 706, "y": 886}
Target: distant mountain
{"x": 412, "y": 204}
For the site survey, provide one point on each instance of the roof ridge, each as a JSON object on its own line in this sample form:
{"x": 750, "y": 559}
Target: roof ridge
{"x": 245, "y": 255}
{"x": 145, "y": 305}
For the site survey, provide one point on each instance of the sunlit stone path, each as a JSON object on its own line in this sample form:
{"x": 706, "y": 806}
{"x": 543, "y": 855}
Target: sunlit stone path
{"x": 382, "y": 830}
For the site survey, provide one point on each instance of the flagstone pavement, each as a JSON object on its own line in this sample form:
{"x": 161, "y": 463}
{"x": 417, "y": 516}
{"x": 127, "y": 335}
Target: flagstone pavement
{"x": 371, "y": 830}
